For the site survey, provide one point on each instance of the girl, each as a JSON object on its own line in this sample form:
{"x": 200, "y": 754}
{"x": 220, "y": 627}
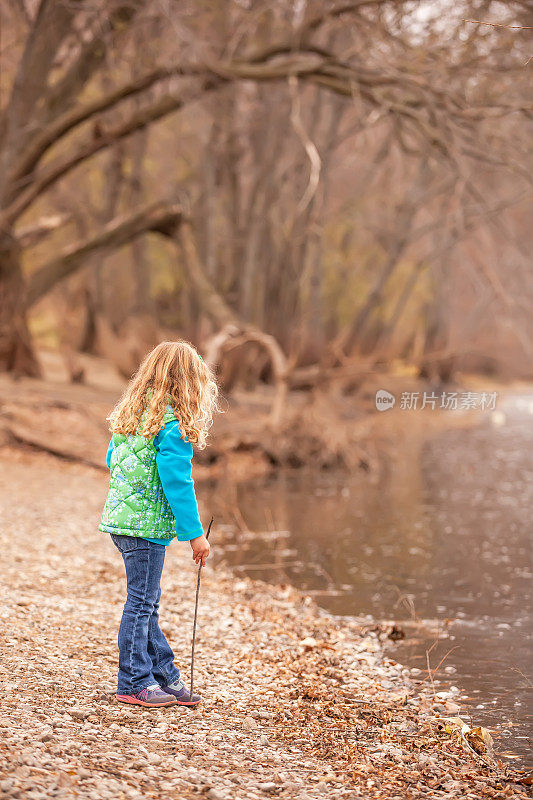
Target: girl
{"x": 167, "y": 407}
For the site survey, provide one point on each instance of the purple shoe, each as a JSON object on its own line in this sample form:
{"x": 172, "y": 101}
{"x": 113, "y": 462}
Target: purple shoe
{"x": 151, "y": 697}
{"x": 181, "y": 694}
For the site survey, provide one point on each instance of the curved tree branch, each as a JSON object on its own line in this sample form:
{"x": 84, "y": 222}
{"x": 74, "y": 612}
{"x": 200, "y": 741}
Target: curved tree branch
{"x": 214, "y": 305}
{"x": 159, "y": 218}
{"x": 102, "y": 139}
{"x": 429, "y": 110}
{"x": 80, "y": 114}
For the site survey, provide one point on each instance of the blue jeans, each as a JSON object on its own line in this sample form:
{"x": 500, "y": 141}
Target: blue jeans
{"x": 145, "y": 656}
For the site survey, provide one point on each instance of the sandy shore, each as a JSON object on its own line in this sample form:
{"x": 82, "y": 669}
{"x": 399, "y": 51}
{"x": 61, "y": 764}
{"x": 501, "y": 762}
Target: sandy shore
{"x": 298, "y": 704}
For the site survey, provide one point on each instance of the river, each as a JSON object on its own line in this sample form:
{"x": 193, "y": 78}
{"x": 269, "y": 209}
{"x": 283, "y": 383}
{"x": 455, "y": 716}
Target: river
{"x": 443, "y": 534}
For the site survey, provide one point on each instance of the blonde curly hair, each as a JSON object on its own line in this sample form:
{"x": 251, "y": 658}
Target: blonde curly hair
{"x": 172, "y": 373}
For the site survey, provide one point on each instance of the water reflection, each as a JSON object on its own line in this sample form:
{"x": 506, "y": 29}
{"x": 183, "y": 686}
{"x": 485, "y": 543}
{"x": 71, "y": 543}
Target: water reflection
{"x": 444, "y": 533}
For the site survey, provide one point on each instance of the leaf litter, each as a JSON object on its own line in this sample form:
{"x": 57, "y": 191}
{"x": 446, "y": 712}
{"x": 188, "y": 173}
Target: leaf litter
{"x": 298, "y": 703}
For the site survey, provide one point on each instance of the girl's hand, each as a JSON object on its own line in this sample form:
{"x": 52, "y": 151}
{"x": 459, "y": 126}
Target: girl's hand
{"x": 200, "y": 549}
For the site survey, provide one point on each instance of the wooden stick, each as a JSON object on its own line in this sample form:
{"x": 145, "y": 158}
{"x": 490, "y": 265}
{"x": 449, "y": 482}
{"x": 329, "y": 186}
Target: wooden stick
{"x": 196, "y": 615}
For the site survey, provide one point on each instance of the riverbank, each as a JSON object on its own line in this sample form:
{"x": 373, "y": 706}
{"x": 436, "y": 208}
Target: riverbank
{"x": 322, "y": 430}
{"x": 298, "y": 704}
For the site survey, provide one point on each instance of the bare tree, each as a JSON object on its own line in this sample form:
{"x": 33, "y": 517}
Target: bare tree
{"x": 59, "y": 116}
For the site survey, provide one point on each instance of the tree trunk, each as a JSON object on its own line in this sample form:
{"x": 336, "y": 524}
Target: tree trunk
{"x": 215, "y": 306}
{"x": 142, "y": 298}
{"x": 16, "y": 350}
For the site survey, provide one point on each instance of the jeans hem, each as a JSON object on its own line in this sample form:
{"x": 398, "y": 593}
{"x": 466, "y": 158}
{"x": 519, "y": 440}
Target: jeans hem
{"x": 174, "y": 676}
{"x": 136, "y": 689}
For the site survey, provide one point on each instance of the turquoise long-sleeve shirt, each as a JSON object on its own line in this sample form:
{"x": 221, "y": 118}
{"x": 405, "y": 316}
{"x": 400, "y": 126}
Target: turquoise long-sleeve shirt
{"x": 174, "y": 464}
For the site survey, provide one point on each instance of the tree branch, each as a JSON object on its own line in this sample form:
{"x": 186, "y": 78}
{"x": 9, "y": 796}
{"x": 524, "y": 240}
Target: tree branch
{"x": 159, "y": 218}
{"x": 408, "y": 97}
{"x": 91, "y": 55}
{"x": 52, "y": 23}
{"x": 141, "y": 119}
{"x": 70, "y": 120}
{"x": 33, "y": 234}
{"x": 215, "y": 306}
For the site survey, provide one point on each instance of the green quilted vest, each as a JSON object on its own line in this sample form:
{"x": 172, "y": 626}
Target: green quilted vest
{"x": 136, "y": 504}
